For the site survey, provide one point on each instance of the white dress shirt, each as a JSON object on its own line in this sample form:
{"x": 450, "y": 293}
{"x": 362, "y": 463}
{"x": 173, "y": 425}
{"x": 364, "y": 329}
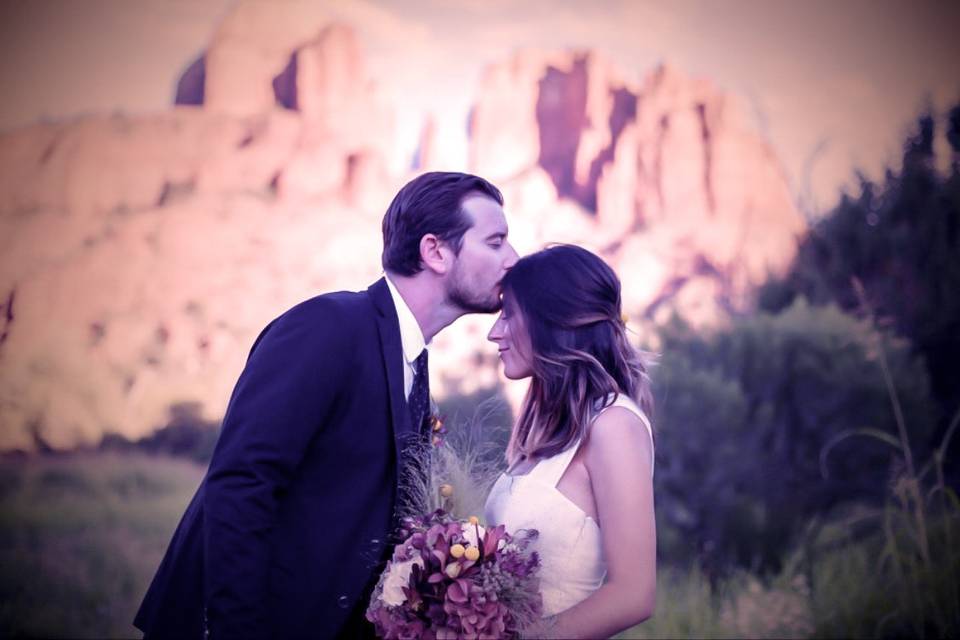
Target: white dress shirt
{"x": 411, "y": 337}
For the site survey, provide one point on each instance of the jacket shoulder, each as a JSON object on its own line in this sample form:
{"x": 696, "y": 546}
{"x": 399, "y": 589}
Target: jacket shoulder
{"x": 340, "y": 318}
{"x": 339, "y": 306}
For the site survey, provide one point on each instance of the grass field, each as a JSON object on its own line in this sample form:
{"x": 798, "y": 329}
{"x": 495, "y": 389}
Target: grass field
{"x": 80, "y": 539}
{"x": 81, "y": 536}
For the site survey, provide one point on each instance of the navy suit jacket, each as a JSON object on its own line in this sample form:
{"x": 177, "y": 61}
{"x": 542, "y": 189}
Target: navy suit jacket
{"x": 288, "y": 531}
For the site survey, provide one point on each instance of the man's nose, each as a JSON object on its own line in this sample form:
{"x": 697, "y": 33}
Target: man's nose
{"x": 512, "y": 257}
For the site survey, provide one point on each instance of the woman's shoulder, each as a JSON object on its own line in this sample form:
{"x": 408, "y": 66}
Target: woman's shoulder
{"x": 620, "y": 421}
{"x": 623, "y": 401}
{"x": 621, "y": 409}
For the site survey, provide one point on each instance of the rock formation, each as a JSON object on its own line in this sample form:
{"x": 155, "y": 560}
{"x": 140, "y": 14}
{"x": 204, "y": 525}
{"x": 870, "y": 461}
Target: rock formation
{"x": 140, "y": 256}
{"x": 668, "y": 179}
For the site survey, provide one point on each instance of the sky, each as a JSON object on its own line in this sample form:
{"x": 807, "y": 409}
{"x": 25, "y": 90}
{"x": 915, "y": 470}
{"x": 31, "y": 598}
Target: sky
{"x": 835, "y": 86}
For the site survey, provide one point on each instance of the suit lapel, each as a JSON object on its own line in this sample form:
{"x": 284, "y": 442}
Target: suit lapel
{"x": 392, "y": 351}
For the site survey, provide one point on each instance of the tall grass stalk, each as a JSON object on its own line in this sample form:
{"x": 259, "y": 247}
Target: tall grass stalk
{"x": 916, "y": 595}
{"x": 912, "y": 480}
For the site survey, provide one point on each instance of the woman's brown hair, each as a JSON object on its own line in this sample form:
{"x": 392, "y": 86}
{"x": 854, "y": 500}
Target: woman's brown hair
{"x": 570, "y": 304}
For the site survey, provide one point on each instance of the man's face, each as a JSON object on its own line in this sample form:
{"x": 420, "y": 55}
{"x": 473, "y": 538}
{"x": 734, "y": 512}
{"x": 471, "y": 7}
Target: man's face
{"x": 474, "y": 282}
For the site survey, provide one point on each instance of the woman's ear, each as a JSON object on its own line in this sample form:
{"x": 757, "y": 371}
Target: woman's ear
{"x": 435, "y": 254}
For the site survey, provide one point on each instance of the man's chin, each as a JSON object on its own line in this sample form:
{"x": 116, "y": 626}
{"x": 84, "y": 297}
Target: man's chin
{"x": 490, "y": 306}
{"x": 469, "y": 304}
{"x": 466, "y": 305}
{"x": 482, "y": 307}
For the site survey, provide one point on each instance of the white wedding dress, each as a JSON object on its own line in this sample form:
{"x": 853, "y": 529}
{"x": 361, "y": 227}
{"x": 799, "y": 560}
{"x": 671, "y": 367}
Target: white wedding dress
{"x": 569, "y": 544}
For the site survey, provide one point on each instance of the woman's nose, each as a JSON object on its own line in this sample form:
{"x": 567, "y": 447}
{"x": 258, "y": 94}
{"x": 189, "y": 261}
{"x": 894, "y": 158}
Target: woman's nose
{"x": 496, "y": 331}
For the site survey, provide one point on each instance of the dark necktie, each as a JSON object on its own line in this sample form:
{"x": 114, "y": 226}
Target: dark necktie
{"x": 419, "y": 400}
{"x": 413, "y": 473}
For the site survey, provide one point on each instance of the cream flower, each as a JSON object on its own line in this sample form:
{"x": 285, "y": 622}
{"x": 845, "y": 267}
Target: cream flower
{"x": 470, "y": 533}
{"x": 398, "y": 577}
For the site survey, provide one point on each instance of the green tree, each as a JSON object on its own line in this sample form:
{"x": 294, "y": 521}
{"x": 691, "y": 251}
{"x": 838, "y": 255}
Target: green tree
{"x": 901, "y": 239}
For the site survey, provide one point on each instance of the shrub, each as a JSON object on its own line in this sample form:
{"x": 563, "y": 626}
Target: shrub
{"x": 744, "y": 414}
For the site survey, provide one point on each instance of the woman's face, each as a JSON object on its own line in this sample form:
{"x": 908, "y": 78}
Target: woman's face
{"x": 510, "y": 334}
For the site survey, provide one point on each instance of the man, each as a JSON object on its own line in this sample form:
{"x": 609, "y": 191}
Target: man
{"x": 288, "y": 530}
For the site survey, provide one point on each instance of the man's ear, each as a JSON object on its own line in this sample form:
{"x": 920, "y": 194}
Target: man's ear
{"x": 436, "y": 255}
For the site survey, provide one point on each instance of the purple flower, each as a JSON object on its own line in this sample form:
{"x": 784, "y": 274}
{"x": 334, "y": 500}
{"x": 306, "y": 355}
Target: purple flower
{"x": 455, "y": 579}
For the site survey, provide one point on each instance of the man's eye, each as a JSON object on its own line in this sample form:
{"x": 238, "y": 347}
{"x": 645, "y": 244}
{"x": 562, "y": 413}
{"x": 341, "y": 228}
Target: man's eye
{"x": 496, "y": 244}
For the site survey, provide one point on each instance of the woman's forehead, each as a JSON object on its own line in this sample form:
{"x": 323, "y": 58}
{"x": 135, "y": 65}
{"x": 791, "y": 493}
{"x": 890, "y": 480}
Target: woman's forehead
{"x": 509, "y": 301}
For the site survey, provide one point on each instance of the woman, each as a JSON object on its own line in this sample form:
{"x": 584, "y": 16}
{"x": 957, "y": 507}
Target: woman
{"x": 580, "y": 457}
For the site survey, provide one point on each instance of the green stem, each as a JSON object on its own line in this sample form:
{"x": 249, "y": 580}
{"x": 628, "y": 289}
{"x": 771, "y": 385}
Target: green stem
{"x": 913, "y": 485}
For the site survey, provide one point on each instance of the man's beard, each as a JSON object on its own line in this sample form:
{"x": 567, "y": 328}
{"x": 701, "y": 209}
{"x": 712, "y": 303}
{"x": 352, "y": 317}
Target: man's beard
{"x": 469, "y": 301}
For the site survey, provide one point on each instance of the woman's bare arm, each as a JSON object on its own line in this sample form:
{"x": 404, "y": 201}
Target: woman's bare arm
{"x": 618, "y": 458}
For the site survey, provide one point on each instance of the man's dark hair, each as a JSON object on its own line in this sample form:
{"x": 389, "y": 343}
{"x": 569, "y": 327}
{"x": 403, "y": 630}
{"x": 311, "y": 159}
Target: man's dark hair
{"x": 430, "y": 203}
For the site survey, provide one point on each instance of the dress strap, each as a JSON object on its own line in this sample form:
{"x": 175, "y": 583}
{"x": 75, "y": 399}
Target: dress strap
{"x": 550, "y": 471}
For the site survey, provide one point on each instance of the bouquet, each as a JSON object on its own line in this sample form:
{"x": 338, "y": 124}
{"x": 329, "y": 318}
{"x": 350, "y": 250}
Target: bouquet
{"x": 452, "y": 579}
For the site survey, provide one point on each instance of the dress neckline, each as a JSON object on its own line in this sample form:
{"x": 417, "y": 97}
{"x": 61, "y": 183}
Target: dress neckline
{"x": 550, "y": 484}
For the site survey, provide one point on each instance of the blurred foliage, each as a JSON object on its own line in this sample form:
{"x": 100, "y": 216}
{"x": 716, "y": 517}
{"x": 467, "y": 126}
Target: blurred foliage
{"x": 744, "y": 415}
{"x": 901, "y": 239}
{"x": 844, "y": 586}
{"x": 880, "y": 586}
{"x": 187, "y": 434}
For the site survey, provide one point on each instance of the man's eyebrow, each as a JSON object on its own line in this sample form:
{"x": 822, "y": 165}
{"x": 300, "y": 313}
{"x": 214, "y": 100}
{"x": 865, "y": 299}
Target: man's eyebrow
{"x": 497, "y": 234}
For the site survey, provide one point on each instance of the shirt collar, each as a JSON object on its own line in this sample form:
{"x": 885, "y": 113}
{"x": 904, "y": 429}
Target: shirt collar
{"x": 411, "y": 336}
